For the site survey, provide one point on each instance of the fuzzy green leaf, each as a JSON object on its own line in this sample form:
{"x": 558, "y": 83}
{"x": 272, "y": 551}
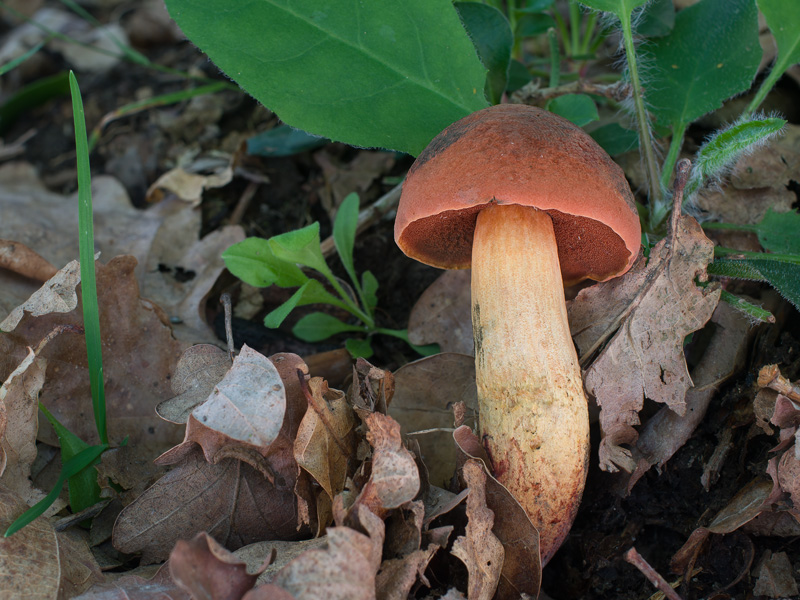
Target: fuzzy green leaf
{"x": 311, "y": 292}
{"x": 369, "y": 285}
{"x": 617, "y": 7}
{"x": 783, "y": 276}
{"x": 372, "y": 74}
{"x": 320, "y": 326}
{"x": 577, "y": 108}
{"x": 491, "y": 34}
{"x": 690, "y": 82}
{"x": 658, "y": 19}
{"x": 615, "y": 139}
{"x": 724, "y": 147}
{"x": 253, "y": 262}
{"x": 344, "y": 233}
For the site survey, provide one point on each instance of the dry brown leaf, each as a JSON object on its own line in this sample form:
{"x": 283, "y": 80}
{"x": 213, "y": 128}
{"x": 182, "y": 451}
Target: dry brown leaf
{"x": 480, "y": 550}
{"x": 231, "y": 501}
{"x": 345, "y": 570}
{"x": 136, "y": 587}
{"x": 394, "y": 479}
{"x": 775, "y": 576}
{"x": 667, "y": 431}
{"x": 189, "y": 187}
{"x": 645, "y": 356}
{"x": 128, "y": 468}
{"x": 398, "y": 575}
{"x": 36, "y": 562}
{"x": 20, "y": 259}
{"x": 789, "y": 477}
{"x": 57, "y": 295}
{"x": 372, "y": 389}
{"x": 325, "y": 441}
{"x": 19, "y": 410}
{"x": 199, "y": 369}
{"x": 522, "y": 567}
{"x": 256, "y": 555}
{"x": 207, "y": 570}
{"x": 443, "y": 314}
{"x": 425, "y": 391}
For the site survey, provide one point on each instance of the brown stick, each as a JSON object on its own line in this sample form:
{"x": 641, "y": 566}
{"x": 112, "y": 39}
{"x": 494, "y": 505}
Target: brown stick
{"x": 636, "y": 559}
{"x": 770, "y": 377}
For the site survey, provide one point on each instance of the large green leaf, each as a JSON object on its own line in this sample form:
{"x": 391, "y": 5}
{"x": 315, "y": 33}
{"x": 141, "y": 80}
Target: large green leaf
{"x": 783, "y": 18}
{"x": 491, "y": 34}
{"x": 712, "y": 54}
{"x": 385, "y": 74}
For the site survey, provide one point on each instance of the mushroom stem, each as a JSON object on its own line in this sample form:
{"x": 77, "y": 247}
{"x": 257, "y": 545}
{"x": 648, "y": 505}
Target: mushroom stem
{"x": 534, "y": 421}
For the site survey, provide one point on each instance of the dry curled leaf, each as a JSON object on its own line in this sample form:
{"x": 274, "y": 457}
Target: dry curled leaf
{"x": 775, "y": 576}
{"x": 480, "y": 550}
{"x": 645, "y": 356}
{"x": 136, "y": 587}
{"x": 22, "y": 260}
{"x": 207, "y": 570}
{"x": 443, "y": 314}
{"x": 199, "y": 369}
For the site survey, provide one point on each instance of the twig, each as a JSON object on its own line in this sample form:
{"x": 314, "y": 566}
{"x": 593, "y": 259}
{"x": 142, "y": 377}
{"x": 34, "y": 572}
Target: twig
{"x": 770, "y": 377}
{"x": 244, "y": 202}
{"x": 368, "y": 216}
{"x": 636, "y": 559}
{"x": 225, "y": 300}
{"x": 532, "y": 93}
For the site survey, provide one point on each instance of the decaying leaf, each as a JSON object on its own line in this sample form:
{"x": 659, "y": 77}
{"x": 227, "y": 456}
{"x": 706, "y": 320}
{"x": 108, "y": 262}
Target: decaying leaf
{"x": 20, "y": 259}
{"x": 139, "y": 354}
{"x": 425, "y": 391}
{"x": 231, "y": 501}
{"x": 645, "y": 356}
{"x": 394, "y": 479}
{"x": 372, "y": 389}
{"x": 325, "y": 441}
{"x": 775, "y": 576}
{"x": 479, "y": 550}
{"x": 136, "y": 587}
{"x": 345, "y": 570}
{"x": 443, "y": 314}
{"x": 189, "y": 187}
{"x": 205, "y": 569}
{"x": 398, "y": 575}
{"x": 57, "y": 295}
{"x": 37, "y": 562}
{"x": 281, "y": 553}
{"x": 522, "y": 567}
{"x": 199, "y": 369}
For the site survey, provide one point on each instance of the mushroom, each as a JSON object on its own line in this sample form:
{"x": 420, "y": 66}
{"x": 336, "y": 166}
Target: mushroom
{"x": 531, "y": 203}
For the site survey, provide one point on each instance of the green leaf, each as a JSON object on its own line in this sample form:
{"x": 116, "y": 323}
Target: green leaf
{"x": 657, "y": 19}
{"x": 91, "y": 310}
{"x": 359, "y": 348}
{"x": 712, "y": 54}
{"x": 780, "y": 232}
{"x": 491, "y": 34}
{"x": 84, "y": 491}
{"x": 517, "y": 76}
{"x": 253, "y": 262}
{"x": 372, "y": 74}
{"x": 300, "y": 246}
{"x": 283, "y": 141}
{"x": 783, "y": 276}
{"x": 344, "y": 233}
{"x": 72, "y": 467}
{"x": 320, "y": 326}
{"x": 536, "y": 5}
{"x": 531, "y": 25}
{"x": 311, "y": 292}
{"x": 783, "y": 19}
{"x": 369, "y": 286}
{"x": 615, "y": 139}
{"x": 617, "y": 7}
{"x": 578, "y": 108}
{"x": 402, "y": 334}
{"x": 724, "y": 147}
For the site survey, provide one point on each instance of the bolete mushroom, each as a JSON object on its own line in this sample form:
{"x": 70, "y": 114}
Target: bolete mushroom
{"x": 531, "y": 203}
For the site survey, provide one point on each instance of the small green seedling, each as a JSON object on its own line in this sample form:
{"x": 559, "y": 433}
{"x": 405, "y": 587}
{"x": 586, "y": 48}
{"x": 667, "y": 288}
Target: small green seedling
{"x": 277, "y": 261}
{"x": 77, "y": 456}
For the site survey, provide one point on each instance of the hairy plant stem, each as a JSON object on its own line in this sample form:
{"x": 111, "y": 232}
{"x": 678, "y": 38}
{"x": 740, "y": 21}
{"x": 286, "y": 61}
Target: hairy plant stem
{"x": 645, "y": 141}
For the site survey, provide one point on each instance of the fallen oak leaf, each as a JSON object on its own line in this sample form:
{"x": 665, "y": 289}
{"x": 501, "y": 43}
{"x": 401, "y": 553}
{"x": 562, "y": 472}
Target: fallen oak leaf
{"x": 20, "y": 259}
{"x": 645, "y": 356}
{"x": 231, "y": 501}
{"x": 480, "y": 550}
{"x": 205, "y": 569}
{"x": 135, "y": 587}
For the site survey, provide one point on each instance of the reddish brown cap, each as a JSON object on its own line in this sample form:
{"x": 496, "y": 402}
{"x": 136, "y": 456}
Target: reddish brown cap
{"x": 516, "y": 154}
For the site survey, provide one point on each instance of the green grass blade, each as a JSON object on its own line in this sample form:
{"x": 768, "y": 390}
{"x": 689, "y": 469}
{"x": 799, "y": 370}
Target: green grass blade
{"x": 72, "y": 467}
{"x": 91, "y": 310}
{"x": 13, "y": 64}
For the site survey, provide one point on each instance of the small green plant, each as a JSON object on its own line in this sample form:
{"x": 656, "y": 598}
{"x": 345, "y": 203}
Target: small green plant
{"x": 78, "y": 458}
{"x": 275, "y": 261}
